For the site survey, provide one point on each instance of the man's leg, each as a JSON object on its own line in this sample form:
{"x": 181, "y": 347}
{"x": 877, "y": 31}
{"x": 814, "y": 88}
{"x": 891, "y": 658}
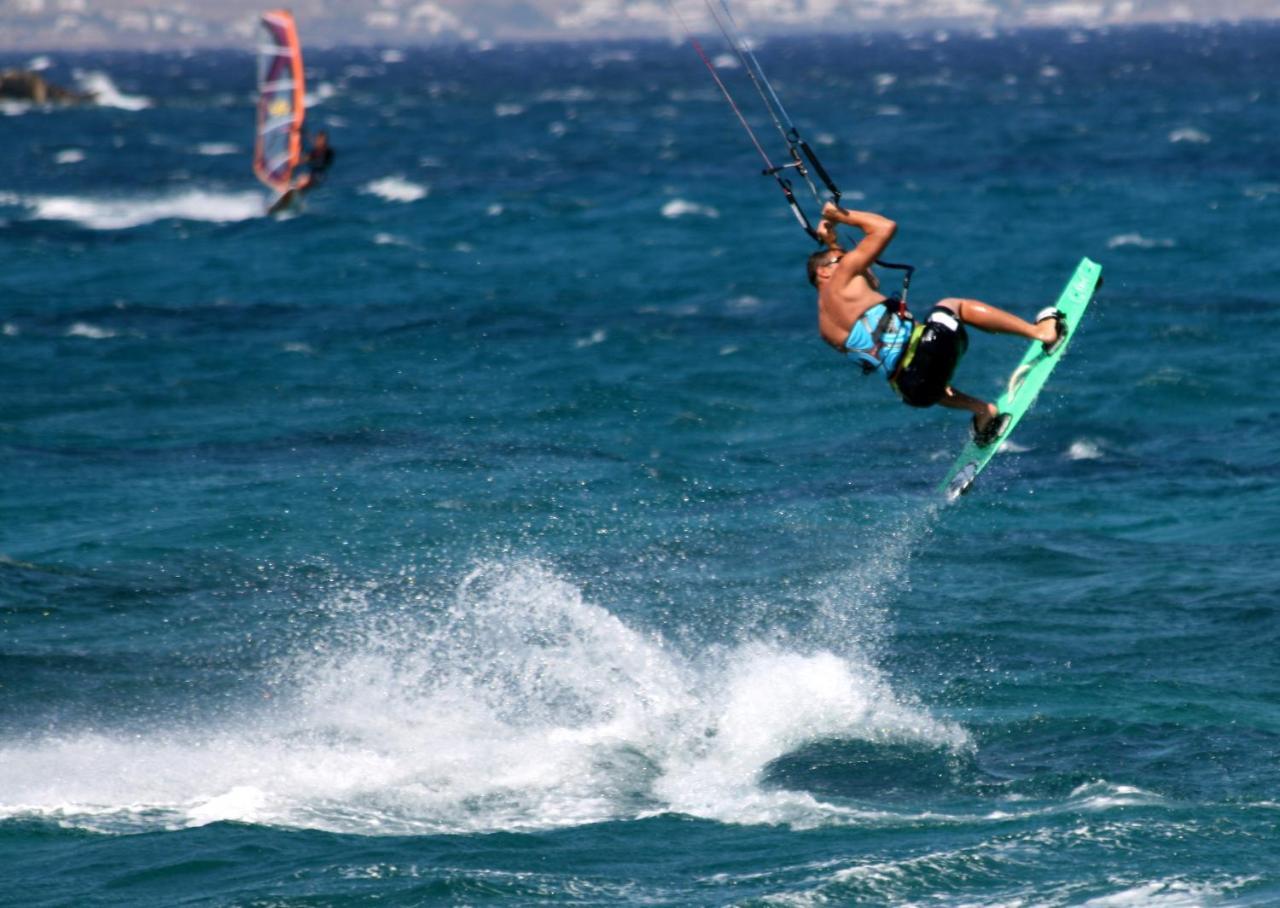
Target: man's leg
{"x": 982, "y": 411}
{"x": 997, "y": 321}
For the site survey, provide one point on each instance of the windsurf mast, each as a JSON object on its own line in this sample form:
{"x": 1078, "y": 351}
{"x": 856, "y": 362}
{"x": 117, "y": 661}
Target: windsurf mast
{"x": 281, "y": 89}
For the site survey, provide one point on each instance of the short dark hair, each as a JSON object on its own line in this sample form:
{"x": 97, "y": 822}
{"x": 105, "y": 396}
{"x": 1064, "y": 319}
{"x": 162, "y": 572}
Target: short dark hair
{"x": 815, "y": 260}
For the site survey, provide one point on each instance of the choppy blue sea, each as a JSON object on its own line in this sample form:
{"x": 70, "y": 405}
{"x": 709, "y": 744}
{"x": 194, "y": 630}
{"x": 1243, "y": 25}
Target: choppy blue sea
{"x": 498, "y": 529}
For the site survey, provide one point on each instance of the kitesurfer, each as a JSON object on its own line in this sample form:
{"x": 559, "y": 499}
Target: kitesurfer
{"x": 318, "y": 160}
{"x": 918, "y": 358}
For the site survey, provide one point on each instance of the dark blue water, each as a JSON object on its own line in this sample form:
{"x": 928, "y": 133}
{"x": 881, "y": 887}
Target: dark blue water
{"x": 498, "y": 529}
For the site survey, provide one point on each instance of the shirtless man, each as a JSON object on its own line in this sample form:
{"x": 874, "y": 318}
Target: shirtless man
{"x": 318, "y": 160}
{"x": 855, "y": 318}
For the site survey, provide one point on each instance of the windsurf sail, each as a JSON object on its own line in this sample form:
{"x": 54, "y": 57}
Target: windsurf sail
{"x": 281, "y": 88}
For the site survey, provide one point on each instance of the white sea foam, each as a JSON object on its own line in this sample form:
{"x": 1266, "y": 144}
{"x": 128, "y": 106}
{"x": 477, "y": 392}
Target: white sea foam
{"x": 39, "y": 64}
{"x": 391, "y": 55}
{"x": 69, "y": 156}
{"x": 508, "y": 110}
{"x": 678, "y": 208}
{"x": 323, "y": 92}
{"x": 1084, "y": 449}
{"x": 725, "y": 61}
{"x": 765, "y": 703}
{"x": 514, "y": 704}
{"x": 390, "y": 239}
{"x": 106, "y": 94}
{"x": 1191, "y": 135}
{"x": 217, "y": 148}
{"x": 1170, "y": 893}
{"x": 93, "y": 332}
{"x": 1137, "y": 240}
{"x": 14, "y": 108}
{"x": 121, "y": 214}
{"x": 1100, "y": 795}
{"x": 396, "y": 189}
{"x": 598, "y": 336}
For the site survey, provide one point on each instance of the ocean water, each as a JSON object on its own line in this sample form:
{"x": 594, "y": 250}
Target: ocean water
{"x": 498, "y": 530}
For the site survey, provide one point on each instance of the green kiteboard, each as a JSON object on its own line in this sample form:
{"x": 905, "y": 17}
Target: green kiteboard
{"x": 1027, "y": 380}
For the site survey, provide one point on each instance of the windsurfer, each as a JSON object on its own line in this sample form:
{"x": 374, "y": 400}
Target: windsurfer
{"x": 318, "y": 160}
{"x": 854, "y": 317}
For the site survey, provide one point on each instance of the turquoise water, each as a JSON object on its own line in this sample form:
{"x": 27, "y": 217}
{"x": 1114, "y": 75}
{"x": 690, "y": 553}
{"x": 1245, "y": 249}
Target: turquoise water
{"x": 499, "y": 530}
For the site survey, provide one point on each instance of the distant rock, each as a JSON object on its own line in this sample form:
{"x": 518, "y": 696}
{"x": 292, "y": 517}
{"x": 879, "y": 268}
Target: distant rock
{"x": 24, "y": 85}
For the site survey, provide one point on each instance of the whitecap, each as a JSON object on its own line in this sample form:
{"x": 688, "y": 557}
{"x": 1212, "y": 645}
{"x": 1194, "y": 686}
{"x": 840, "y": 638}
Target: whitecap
{"x": 1139, "y": 241}
{"x": 1084, "y": 450}
{"x": 214, "y": 149}
{"x": 39, "y": 64}
{"x": 508, "y": 110}
{"x": 1191, "y": 135}
{"x": 121, "y": 214}
{"x": 69, "y": 156}
{"x": 93, "y": 332}
{"x": 396, "y": 189}
{"x": 323, "y": 92}
{"x": 1169, "y": 893}
{"x": 105, "y": 93}
{"x": 598, "y": 336}
{"x": 677, "y": 208}
{"x": 1101, "y": 795}
{"x": 391, "y": 55}
{"x": 725, "y": 61}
